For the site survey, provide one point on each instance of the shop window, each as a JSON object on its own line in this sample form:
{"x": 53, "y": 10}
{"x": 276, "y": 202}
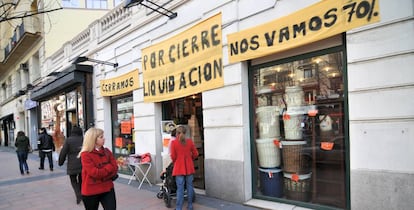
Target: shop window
{"x": 53, "y": 118}
{"x": 299, "y": 130}
{"x": 122, "y": 131}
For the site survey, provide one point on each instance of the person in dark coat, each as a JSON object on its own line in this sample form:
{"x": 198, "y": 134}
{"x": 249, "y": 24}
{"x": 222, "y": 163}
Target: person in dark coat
{"x": 46, "y": 147}
{"x": 22, "y": 149}
{"x": 70, "y": 150}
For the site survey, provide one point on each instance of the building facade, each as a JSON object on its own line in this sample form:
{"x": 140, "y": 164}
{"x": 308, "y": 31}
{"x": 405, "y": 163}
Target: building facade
{"x": 288, "y": 102}
{"x": 25, "y": 42}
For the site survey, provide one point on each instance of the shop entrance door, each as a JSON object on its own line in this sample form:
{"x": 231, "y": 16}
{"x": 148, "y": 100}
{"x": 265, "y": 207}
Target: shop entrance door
{"x": 188, "y": 111}
{"x": 71, "y": 121}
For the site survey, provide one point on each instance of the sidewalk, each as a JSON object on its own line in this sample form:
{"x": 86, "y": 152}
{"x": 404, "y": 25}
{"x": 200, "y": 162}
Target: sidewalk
{"x": 51, "y": 190}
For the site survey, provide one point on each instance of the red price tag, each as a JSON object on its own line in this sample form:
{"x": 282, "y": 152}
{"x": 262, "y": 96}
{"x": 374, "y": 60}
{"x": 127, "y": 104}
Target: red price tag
{"x": 286, "y": 117}
{"x": 327, "y": 145}
{"x": 276, "y": 142}
{"x": 312, "y": 113}
{"x": 295, "y": 177}
{"x": 270, "y": 174}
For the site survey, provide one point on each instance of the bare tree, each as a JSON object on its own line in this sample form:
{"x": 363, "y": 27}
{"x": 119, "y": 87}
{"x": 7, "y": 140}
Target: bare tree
{"x": 6, "y": 13}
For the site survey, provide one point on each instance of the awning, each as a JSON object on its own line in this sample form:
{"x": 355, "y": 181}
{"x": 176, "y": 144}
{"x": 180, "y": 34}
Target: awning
{"x": 74, "y": 74}
{"x": 9, "y": 116}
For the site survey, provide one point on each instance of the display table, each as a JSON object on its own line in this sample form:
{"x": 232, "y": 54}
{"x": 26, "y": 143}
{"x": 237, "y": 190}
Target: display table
{"x": 140, "y": 169}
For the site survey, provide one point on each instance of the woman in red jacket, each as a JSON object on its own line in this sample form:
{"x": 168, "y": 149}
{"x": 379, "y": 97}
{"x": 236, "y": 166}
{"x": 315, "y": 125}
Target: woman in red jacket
{"x": 98, "y": 168}
{"x": 183, "y": 152}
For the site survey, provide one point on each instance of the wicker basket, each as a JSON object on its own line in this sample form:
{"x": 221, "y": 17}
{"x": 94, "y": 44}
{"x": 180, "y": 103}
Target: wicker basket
{"x": 299, "y": 189}
{"x": 268, "y": 121}
{"x": 294, "y": 159}
{"x": 293, "y": 124}
{"x": 268, "y": 152}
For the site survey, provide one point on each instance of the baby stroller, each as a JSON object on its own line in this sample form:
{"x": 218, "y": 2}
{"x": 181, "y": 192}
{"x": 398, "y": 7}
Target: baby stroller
{"x": 168, "y": 189}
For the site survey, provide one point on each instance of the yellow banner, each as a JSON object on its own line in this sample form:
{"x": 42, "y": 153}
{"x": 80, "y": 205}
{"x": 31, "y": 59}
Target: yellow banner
{"x": 319, "y": 21}
{"x": 188, "y": 63}
{"x": 120, "y": 85}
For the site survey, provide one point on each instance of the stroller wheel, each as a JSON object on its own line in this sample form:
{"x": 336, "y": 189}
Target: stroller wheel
{"x": 167, "y": 200}
{"x": 160, "y": 194}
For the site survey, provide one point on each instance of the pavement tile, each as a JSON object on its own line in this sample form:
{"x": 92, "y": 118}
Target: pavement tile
{"x": 46, "y": 190}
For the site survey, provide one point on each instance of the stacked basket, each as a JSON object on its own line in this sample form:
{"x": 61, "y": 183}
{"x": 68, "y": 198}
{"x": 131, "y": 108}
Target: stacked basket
{"x": 296, "y": 164}
{"x": 268, "y": 151}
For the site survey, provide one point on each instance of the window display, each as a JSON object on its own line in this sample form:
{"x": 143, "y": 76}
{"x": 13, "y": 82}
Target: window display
{"x": 299, "y": 133}
{"x": 122, "y": 131}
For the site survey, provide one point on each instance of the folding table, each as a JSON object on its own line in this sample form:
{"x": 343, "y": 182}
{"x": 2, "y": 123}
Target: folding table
{"x": 142, "y": 169}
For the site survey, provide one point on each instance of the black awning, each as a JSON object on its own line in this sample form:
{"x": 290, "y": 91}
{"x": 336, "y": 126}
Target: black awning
{"x": 74, "y": 74}
{"x": 9, "y": 116}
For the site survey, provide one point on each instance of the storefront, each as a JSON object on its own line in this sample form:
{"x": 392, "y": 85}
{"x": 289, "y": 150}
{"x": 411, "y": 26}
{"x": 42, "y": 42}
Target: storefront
{"x": 287, "y": 113}
{"x": 298, "y": 97}
{"x": 64, "y": 102}
{"x": 8, "y": 126}
{"x": 119, "y": 91}
{"x": 193, "y": 65}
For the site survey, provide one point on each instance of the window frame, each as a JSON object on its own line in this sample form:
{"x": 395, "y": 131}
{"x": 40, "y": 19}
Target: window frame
{"x": 254, "y": 166}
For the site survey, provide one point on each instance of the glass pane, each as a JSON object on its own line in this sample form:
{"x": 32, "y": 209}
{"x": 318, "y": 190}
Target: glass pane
{"x": 299, "y": 133}
{"x": 80, "y": 111}
{"x": 122, "y": 130}
{"x": 70, "y": 3}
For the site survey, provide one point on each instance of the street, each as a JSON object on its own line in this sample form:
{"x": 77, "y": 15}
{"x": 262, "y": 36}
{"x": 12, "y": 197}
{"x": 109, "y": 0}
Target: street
{"x": 47, "y": 190}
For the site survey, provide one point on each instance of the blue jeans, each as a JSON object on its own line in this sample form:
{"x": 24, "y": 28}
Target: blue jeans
{"x": 22, "y": 157}
{"x": 180, "y": 181}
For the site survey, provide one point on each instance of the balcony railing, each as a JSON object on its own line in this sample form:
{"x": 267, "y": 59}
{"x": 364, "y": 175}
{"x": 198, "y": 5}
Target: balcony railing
{"x": 25, "y": 36}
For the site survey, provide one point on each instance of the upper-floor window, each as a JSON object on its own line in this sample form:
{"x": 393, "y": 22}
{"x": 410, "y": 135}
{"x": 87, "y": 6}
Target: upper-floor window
{"x": 97, "y": 4}
{"x": 18, "y": 80}
{"x": 117, "y": 2}
{"x": 9, "y": 87}
{"x": 70, "y": 3}
{"x": 3, "y": 95}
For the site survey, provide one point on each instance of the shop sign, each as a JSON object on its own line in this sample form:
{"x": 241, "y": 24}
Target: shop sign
{"x": 29, "y": 104}
{"x": 120, "y": 85}
{"x": 319, "y": 21}
{"x": 185, "y": 64}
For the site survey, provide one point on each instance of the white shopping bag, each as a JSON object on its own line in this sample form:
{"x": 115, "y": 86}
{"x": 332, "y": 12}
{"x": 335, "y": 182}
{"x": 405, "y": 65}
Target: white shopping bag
{"x": 55, "y": 156}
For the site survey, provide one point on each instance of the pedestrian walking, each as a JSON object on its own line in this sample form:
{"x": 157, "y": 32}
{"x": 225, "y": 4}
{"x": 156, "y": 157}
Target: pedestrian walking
{"x": 70, "y": 151}
{"x": 99, "y": 169}
{"x": 46, "y": 147}
{"x": 22, "y": 145}
{"x": 183, "y": 153}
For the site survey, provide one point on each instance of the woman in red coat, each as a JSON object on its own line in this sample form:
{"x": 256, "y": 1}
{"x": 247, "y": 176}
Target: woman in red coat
{"x": 98, "y": 168}
{"x": 183, "y": 152}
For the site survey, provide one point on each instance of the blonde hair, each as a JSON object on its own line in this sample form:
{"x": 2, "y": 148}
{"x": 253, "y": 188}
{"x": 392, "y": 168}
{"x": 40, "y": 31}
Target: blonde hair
{"x": 181, "y": 130}
{"x": 89, "y": 139}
